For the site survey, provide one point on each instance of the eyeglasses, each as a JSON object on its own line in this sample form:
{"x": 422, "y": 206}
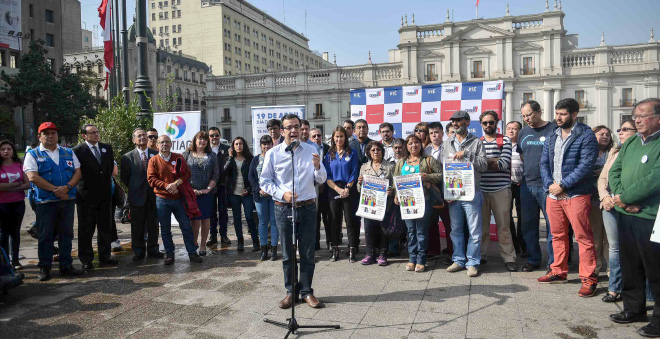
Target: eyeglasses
{"x": 418, "y": 130}
{"x": 626, "y": 129}
{"x": 316, "y": 136}
{"x": 491, "y": 122}
{"x": 641, "y": 116}
{"x": 376, "y": 150}
{"x": 153, "y": 137}
{"x": 291, "y": 127}
{"x": 214, "y": 135}
{"x": 165, "y": 142}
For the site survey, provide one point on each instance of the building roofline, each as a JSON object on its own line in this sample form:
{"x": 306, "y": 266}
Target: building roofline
{"x": 279, "y": 23}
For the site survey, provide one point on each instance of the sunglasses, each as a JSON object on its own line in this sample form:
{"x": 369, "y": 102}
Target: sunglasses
{"x": 153, "y": 137}
{"x": 417, "y": 130}
{"x": 214, "y": 135}
{"x": 626, "y": 129}
{"x": 485, "y": 123}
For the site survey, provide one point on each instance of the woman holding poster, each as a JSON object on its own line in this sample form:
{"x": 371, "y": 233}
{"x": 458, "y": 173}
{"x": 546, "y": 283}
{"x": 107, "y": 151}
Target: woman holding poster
{"x": 373, "y": 232}
{"x": 341, "y": 165}
{"x": 430, "y": 172}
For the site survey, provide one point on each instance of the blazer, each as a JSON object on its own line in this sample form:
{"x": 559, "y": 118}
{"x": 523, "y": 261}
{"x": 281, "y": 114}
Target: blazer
{"x": 223, "y": 154}
{"x": 355, "y": 144}
{"x": 96, "y": 182}
{"x": 231, "y": 173}
{"x": 134, "y": 176}
{"x": 253, "y": 177}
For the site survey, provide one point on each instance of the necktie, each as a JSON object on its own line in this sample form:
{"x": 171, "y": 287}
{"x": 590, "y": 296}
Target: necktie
{"x": 97, "y": 154}
{"x": 144, "y": 161}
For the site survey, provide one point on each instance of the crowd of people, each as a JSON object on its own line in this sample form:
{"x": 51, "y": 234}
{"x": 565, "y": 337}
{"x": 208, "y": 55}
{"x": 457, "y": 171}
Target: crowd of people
{"x": 588, "y": 185}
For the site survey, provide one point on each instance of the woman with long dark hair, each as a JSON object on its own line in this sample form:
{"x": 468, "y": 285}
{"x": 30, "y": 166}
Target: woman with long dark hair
{"x": 239, "y": 191}
{"x": 13, "y": 183}
{"x": 204, "y": 170}
{"x": 422, "y": 132}
{"x": 341, "y": 165}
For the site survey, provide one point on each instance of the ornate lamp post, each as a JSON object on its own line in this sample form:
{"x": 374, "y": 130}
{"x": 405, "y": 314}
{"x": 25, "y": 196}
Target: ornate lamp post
{"x": 142, "y": 84}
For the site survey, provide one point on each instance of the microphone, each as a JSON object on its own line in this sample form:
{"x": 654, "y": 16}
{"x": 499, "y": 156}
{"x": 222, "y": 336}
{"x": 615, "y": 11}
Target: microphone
{"x": 292, "y": 146}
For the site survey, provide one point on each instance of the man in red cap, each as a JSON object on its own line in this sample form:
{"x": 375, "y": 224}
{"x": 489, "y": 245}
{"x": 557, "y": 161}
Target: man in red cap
{"x": 54, "y": 172}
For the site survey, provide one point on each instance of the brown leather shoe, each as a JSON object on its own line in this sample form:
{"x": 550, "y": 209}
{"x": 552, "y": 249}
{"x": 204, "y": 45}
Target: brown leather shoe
{"x": 286, "y": 302}
{"x": 312, "y": 301}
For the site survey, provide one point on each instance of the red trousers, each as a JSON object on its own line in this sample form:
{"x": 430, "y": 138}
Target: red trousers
{"x": 573, "y": 212}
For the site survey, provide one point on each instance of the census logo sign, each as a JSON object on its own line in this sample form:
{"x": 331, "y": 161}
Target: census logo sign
{"x": 452, "y": 91}
{"x": 412, "y": 94}
{"x": 493, "y": 90}
{"x": 375, "y": 96}
{"x": 392, "y": 113}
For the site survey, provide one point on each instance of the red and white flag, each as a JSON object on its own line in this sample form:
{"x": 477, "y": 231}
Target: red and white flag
{"x": 106, "y": 20}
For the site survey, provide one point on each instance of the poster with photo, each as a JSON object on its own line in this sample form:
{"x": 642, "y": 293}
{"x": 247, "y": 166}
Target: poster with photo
{"x": 459, "y": 181}
{"x": 373, "y": 198}
{"x": 410, "y": 193}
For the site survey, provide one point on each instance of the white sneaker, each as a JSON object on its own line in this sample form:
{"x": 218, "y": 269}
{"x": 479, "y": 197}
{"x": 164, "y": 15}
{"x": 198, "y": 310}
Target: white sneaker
{"x": 472, "y": 271}
{"x": 454, "y": 268}
{"x": 116, "y": 244}
{"x": 21, "y": 257}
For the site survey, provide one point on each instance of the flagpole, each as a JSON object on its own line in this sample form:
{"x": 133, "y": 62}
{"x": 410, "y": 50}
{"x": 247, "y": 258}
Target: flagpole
{"x": 113, "y": 81}
{"x": 124, "y": 53}
{"x": 115, "y": 12}
{"x": 477, "y": 8}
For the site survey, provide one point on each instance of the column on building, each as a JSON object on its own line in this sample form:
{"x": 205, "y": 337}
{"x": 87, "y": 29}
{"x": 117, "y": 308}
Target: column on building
{"x": 508, "y": 116}
{"x": 548, "y": 107}
{"x": 603, "y": 114}
{"x": 556, "y": 97}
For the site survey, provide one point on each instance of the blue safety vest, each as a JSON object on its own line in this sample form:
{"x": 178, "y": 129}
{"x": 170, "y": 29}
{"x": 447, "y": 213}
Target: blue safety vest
{"x": 56, "y": 174}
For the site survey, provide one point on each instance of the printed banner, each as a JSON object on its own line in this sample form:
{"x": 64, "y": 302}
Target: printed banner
{"x": 373, "y": 198}
{"x": 410, "y": 193}
{"x": 406, "y": 106}
{"x": 181, "y": 127}
{"x": 261, "y": 115}
{"x": 10, "y": 25}
{"x": 459, "y": 181}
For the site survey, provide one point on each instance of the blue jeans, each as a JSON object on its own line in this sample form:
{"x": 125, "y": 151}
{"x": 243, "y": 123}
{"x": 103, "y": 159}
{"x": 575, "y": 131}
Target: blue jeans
{"x": 266, "y": 213}
{"x": 532, "y": 199}
{"x": 460, "y": 213}
{"x": 610, "y": 224}
{"x": 165, "y": 208}
{"x": 418, "y": 232}
{"x": 219, "y": 216}
{"x": 306, "y": 234}
{"x": 235, "y": 201}
{"x": 50, "y": 216}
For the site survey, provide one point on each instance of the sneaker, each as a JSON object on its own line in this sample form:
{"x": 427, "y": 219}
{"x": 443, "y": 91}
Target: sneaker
{"x": 588, "y": 288}
{"x": 454, "y": 268}
{"x": 116, "y": 246}
{"x": 410, "y": 266}
{"x": 552, "y": 279}
{"x": 382, "y": 260}
{"x": 472, "y": 271}
{"x": 369, "y": 259}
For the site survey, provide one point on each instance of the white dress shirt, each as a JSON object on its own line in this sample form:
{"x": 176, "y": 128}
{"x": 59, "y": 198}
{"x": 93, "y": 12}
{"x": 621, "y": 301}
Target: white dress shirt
{"x": 432, "y": 151}
{"x": 277, "y": 176}
{"x": 30, "y": 163}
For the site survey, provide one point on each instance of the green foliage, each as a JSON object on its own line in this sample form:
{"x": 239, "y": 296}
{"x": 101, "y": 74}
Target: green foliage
{"x": 7, "y": 124}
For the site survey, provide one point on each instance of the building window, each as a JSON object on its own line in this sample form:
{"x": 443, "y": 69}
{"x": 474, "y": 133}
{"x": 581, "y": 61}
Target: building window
{"x": 153, "y": 5}
{"x": 226, "y": 33}
{"x": 179, "y": 41}
{"x": 228, "y": 47}
{"x": 430, "y": 73}
{"x": 322, "y": 129}
{"x": 178, "y": 13}
{"x": 625, "y": 117}
{"x": 51, "y": 63}
{"x": 227, "y": 61}
{"x": 477, "y": 69}
{"x": 528, "y": 96}
{"x": 319, "y": 111}
{"x": 226, "y": 132}
{"x": 153, "y": 16}
{"x": 626, "y": 97}
{"x": 31, "y": 10}
{"x": 50, "y": 16}
{"x": 528, "y": 66}
{"x": 579, "y": 97}
{"x": 50, "y": 40}
{"x": 99, "y": 69}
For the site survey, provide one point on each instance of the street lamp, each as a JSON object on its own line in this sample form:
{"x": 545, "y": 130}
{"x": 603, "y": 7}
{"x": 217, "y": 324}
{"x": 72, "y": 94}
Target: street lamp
{"x": 142, "y": 84}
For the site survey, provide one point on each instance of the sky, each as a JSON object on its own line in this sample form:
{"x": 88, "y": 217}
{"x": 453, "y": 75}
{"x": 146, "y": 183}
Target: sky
{"x": 350, "y": 29}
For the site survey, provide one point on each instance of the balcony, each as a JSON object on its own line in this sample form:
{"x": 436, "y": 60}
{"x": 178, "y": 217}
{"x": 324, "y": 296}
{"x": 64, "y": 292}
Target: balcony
{"x": 478, "y": 75}
{"x": 627, "y": 102}
{"x": 527, "y": 71}
{"x": 431, "y": 77}
{"x": 318, "y": 115}
{"x": 225, "y": 119}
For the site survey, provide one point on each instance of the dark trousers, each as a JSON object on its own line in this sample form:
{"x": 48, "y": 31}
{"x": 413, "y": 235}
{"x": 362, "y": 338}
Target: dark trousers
{"x": 144, "y": 217}
{"x": 11, "y": 217}
{"x": 375, "y": 238}
{"x": 219, "y": 216}
{"x": 639, "y": 261}
{"x": 323, "y": 215}
{"x": 52, "y": 217}
{"x": 347, "y": 208}
{"x": 93, "y": 216}
{"x": 305, "y": 228}
{"x": 516, "y": 228}
{"x": 434, "y": 246}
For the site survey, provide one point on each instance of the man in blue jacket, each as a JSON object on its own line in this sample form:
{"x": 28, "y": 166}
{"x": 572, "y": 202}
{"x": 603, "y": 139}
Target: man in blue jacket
{"x": 567, "y": 165}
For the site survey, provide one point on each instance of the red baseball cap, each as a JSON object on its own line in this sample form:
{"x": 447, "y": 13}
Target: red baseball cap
{"x": 47, "y": 125}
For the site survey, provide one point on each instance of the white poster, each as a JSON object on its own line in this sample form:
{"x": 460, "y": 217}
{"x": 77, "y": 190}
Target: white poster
{"x": 410, "y": 193}
{"x": 181, "y": 127}
{"x": 655, "y": 234}
{"x": 459, "y": 181}
{"x": 261, "y": 115}
{"x": 10, "y": 21}
{"x": 373, "y": 198}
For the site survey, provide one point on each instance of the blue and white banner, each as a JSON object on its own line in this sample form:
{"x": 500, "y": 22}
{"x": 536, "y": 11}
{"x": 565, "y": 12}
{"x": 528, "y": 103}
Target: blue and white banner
{"x": 261, "y": 115}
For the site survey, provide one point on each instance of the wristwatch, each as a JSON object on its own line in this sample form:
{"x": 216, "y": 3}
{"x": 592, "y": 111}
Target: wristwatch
{"x": 208, "y": 188}
{"x": 562, "y": 186}
{"x": 68, "y": 186}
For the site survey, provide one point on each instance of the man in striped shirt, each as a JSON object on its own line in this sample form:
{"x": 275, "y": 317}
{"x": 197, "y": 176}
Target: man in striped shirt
{"x": 496, "y": 188}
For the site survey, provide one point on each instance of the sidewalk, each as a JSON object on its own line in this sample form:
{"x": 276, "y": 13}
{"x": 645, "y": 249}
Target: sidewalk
{"x": 229, "y": 294}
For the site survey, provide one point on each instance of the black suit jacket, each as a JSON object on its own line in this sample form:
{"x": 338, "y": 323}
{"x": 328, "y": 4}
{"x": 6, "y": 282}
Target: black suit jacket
{"x": 95, "y": 185}
{"x": 355, "y": 145}
{"x": 134, "y": 177}
{"x": 223, "y": 155}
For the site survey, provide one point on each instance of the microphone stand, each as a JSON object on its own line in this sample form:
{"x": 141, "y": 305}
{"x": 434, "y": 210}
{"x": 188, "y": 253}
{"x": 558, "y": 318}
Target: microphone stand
{"x": 292, "y": 324}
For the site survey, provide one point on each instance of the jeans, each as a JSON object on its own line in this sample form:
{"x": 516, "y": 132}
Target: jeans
{"x": 219, "y": 216}
{"x": 11, "y": 217}
{"x": 306, "y": 236}
{"x": 235, "y": 201}
{"x": 609, "y": 221}
{"x": 165, "y": 208}
{"x": 418, "y": 236}
{"x": 51, "y": 216}
{"x": 532, "y": 199}
{"x": 266, "y": 213}
{"x": 460, "y": 212}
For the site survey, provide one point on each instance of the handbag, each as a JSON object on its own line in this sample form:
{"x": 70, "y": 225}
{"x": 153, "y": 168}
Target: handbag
{"x": 437, "y": 198}
{"x": 392, "y": 224}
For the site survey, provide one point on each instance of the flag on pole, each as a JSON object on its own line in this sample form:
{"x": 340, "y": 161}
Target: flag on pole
{"x": 477, "y": 3}
{"x": 106, "y": 19}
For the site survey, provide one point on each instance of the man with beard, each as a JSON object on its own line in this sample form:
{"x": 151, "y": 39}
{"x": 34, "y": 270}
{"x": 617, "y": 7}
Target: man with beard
{"x": 361, "y": 140}
{"x": 465, "y": 147}
{"x": 532, "y": 195}
{"x": 386, "y": 131}
{"x": 567, "y": 165}
{"x": 496, "y": 189}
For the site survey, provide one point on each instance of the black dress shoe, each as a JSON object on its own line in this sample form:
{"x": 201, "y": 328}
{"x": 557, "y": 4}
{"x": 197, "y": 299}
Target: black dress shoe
{"x": 156, "y": 255}
{"x": 650, "y": 331}
{"x": 194, "y": 257}
{"x": 240, "y": 247}
{"x": 212, "y": 242}
{"x": 256, "y": 246}
{"x": 44, "y": 274}
{"x": 335, "y": 254}
{"x": 111, "y": 261}
{"x": 17, "y": 266}
{"x": 530, "y": 267}
{"x": 88, "y": 266}
{"x": 225, "y": 240}
{"x": 71, "y": 271}
{"x": 264, "y": 253}
{"x": 609, "y": 298}
{"x": 169, "y": 259}
{"x": 138, "y": 257}
{"x": 273, "y": 253}
{"x": 351, "y": 255}
{"x": 511, "y": 267}
{"x": 627, "y": 317}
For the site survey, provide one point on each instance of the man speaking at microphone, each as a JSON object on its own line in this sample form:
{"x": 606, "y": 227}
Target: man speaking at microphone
{"x": 277, "y": 179}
